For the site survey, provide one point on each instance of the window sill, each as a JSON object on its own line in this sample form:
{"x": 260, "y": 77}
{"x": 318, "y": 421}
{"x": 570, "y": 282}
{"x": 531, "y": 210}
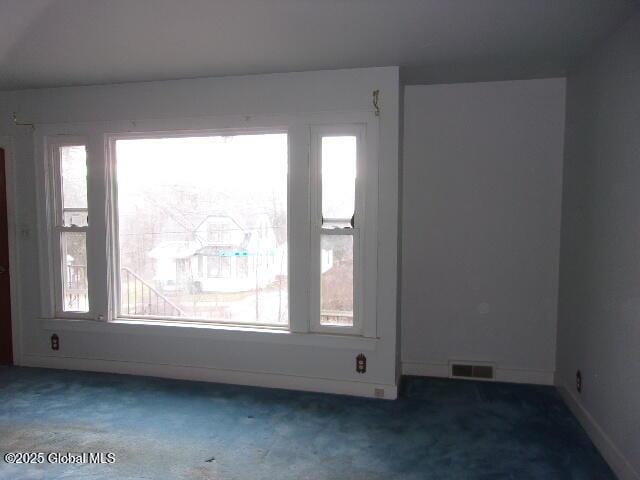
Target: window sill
{"x": 212, "y": 332}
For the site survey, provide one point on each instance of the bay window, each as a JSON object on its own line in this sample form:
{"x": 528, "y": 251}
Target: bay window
{"x": 192, "y": 226}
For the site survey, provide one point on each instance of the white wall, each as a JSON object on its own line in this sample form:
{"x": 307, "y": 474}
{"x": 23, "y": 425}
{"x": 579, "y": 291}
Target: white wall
{"x": 480, "y": 226}
{"x": 599, "y": 308}
{"x": 288, "y": 360}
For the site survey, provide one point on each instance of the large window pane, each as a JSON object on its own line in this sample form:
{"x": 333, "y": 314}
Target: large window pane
{"x": 203, "y": 228}
{"x": 73, "y": 177}
{"x": 338, "y": 180}
{"x": 74, "y": 271}
{"x": 336, "y": 289}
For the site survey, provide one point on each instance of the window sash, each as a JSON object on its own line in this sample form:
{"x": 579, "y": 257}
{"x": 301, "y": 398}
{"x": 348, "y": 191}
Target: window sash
{"x": 318, "y": 229}
{"x": 58, "y": 229}
{"x": 356, "y": 327}
{"x": 70, "y": 293}
{"x": 116, "y": 285}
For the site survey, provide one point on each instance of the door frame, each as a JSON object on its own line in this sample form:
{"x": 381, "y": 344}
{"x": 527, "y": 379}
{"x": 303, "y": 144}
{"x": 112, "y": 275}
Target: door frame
{"x": 7, "y": 144}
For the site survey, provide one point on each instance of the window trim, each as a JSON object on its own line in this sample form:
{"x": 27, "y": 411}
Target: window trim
{"x": 112, "y": 174}
{"x": 317, "y": 132}
{"x": 298, "y": 127}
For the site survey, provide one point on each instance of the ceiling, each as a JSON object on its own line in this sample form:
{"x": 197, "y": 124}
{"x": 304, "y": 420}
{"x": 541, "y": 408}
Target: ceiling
{"x": 47, "y": 43}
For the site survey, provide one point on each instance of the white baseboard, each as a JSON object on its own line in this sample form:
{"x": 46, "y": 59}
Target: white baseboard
{"x": 534, "y": 377}
{"x": 510, "y": 375}
{"x": 206, "y": 374}
{"x": 425, "y": 369}
{"x": 614, "y": 457}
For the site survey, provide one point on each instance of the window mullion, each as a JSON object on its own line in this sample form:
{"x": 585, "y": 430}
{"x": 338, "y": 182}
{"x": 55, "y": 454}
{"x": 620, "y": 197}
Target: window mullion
{"x": 299, "y": 227}
{"x": 97, "y": 252}
{"x": 315, "y": 217}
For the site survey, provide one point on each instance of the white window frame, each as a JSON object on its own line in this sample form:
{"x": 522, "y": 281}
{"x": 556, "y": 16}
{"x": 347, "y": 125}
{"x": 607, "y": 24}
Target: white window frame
{"x": 111, "y": 159}
{"x": 318, "y": 132}
{"x": 55, "y": 217}
{"x": 302, "y": 223}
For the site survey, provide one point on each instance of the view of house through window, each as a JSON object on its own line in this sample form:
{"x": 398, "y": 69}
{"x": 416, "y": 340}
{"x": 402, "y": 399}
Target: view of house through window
{"x": 338, "y": 159}
{"x": 202, "y": 225}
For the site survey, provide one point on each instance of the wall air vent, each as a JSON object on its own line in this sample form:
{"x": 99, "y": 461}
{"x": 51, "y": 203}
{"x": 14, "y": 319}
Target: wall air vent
{"x": 478, "y": 371}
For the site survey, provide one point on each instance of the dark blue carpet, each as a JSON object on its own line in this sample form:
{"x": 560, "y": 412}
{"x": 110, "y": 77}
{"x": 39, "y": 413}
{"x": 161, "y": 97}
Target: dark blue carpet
{"x": 165, "y": 429}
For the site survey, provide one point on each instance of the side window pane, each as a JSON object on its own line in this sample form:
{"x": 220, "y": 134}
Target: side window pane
{"x": 202, "y": 227}
{"x": 73, "y": 178}
{"x": 74, "y": 271}
{"x": 338, "y": 180}
{"x": 336, "y": 289}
